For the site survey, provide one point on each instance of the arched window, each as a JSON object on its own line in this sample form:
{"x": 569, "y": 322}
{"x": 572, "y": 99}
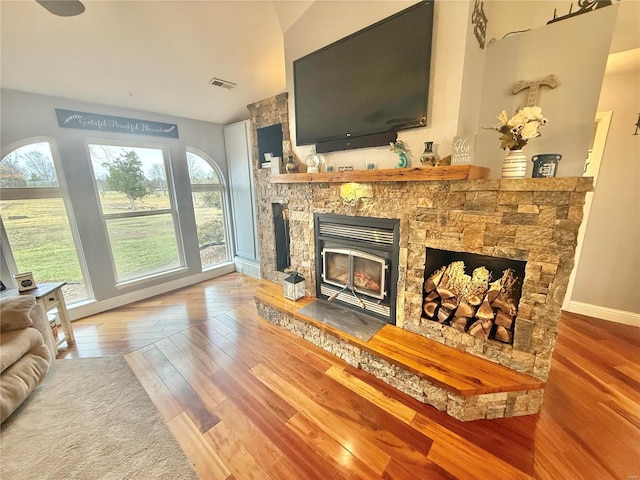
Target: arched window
{"x": 210, "y": 210}
{"x": 36, "y": 232}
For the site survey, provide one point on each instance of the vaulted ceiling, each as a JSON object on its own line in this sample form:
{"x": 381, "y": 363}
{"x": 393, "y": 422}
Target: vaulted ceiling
{"x": 160, "y": 56}
{"x": 156, "y": 56}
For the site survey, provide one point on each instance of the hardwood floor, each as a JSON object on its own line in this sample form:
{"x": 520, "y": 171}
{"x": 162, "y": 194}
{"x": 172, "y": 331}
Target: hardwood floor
{"x": 248, "y": 400}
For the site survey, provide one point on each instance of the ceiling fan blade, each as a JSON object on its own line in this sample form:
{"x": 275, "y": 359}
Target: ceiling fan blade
{"x": 63, "y": 8}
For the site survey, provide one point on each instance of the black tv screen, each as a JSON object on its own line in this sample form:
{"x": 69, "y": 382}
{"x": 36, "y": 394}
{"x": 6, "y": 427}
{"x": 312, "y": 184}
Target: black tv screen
{"x": 375, "y": 80}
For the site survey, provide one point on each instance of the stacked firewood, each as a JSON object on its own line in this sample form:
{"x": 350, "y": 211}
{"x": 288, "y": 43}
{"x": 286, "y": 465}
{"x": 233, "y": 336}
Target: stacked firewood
{"x": 473, "y": 303}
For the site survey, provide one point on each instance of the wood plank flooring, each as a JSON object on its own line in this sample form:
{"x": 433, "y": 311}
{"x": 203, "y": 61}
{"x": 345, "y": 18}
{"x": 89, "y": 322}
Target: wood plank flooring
{"x": 443, "y": 366}
{"x": 248, "y": 400}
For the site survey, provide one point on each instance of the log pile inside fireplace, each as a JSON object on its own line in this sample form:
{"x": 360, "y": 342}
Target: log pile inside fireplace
{"x": 475, "y": 303}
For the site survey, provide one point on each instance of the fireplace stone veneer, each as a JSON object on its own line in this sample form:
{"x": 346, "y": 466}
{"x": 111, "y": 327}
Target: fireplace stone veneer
{"x": 531, "y": 220}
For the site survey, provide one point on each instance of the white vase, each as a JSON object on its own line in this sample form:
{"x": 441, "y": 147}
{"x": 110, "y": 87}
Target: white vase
{"x": 514, "y": 165}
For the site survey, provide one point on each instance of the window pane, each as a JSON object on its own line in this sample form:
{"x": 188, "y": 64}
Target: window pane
{"x": 41, "y": 242}
{"x": 143, "y": 246}
{"x": 201, "y": 171}
{"x": 130, "y": 179}
{"x": 29, "y": 166}
{"x": 212, "y": 236}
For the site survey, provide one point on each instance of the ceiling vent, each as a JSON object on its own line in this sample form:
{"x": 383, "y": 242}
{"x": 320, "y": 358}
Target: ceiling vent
{"x": 218, "y": 82}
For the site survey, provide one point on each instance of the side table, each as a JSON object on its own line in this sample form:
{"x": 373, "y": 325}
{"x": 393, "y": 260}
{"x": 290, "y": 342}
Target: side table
{"x": 49, "y": 296}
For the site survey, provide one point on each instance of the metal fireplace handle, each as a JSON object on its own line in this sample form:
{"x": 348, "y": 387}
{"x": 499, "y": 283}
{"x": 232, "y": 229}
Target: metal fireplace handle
{"x": 335, "y": 295}
{"x": 353, "y": 292}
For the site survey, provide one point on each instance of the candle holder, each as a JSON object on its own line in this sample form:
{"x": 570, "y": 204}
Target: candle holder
{"x": 294, "y": 286}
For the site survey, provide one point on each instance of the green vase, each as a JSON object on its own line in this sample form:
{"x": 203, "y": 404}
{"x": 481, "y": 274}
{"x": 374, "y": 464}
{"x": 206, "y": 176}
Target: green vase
{"x": 404, "y": 161}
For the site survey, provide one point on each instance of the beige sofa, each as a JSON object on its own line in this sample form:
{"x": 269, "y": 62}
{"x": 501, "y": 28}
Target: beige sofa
{"x": 25, "y": 356}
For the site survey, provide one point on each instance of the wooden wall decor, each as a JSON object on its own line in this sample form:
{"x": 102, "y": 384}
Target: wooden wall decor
{"x": 550, "y": 81}
{"x": 479, "y": 21}
{"x": 585, "y": 7}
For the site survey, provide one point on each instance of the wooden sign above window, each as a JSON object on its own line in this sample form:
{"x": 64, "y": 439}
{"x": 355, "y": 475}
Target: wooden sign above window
{"x": 109, "y": 123}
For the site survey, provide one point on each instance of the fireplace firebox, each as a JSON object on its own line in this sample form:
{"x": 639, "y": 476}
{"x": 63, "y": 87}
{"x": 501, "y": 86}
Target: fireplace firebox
{"x": 357, "y": 263}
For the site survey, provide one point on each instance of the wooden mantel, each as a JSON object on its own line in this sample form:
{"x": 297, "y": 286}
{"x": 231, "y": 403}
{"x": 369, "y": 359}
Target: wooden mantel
{"x": 456, "y": 172}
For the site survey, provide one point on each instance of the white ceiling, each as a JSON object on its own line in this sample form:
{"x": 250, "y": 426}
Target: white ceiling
{"x": 155, "y": 56}
{"x": 159, "y": 56}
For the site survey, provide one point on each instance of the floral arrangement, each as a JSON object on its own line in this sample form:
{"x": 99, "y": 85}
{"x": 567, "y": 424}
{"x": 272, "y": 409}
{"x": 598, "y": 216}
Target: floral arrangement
{"x": 519, "y": 129}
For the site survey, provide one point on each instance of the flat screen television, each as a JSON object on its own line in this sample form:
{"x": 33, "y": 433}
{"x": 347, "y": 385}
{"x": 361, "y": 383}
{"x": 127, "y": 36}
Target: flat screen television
{"x": 362, "y": 89}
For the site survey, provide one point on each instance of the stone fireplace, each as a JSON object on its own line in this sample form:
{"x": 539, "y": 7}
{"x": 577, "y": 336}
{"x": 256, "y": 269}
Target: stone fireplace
{"x": 528, "y": 226}
{"x": 534, "y": 221}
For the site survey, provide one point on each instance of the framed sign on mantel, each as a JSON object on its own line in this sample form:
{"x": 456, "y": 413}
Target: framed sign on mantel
{"x": 463, "y": 150}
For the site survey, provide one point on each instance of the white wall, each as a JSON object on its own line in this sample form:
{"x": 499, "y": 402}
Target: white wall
{"x": 472, "y": 82}
{"x": 470, "y": 86}
{"x": 575, "y": 50}
{"x": 608, "y": 274}
{"x": 26, "y": 115}
{"x": 508, "y": 16}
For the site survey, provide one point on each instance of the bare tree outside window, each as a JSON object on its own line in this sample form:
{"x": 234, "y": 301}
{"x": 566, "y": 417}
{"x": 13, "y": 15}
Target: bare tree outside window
{"x": 158, "y": 178}
{"x": 40, "y": 168}
{"x": 35, "y": 218}
{"x": 11, "y": 172}
{"x": 105, "y": 153}
{"x": 200, "y": 172}
{"x": 208, "y": 204}
{"x": 29, "y": 166}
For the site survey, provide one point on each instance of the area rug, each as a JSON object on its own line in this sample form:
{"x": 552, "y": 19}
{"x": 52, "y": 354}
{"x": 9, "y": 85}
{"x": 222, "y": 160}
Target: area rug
{"x": 90, "y": 419}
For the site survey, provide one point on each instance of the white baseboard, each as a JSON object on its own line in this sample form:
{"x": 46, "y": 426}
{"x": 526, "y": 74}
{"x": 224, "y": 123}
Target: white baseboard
{"x": 247, "y": 267}
{"x": 93, "y": 307}
{"x": 604, "y": 313}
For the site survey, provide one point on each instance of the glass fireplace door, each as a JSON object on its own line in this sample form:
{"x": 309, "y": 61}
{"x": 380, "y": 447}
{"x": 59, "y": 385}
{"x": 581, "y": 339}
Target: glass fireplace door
{"x": 364, "y": 272}
{"x": 368, "y": 275}
{"x": 337, "y": 267}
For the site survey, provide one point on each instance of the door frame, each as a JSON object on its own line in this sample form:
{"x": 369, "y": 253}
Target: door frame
{"x": 591, "y": 169}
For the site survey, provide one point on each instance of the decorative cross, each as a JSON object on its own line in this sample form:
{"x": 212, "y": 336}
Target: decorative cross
{"x": 550, "y": 81}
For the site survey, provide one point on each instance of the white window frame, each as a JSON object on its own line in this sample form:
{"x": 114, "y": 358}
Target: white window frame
{"x": 172, "y": 210}
{"x": 34, "y": 193}
{"x": 213, "y": 187}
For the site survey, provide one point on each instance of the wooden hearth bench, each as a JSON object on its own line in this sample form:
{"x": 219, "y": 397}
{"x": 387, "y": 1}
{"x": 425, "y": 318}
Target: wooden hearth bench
{"x": 466, "y": 386}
